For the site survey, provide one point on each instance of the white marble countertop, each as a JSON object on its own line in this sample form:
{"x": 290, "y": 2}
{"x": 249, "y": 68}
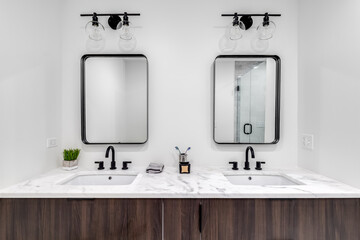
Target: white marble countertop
{"x": 201, "y": 183}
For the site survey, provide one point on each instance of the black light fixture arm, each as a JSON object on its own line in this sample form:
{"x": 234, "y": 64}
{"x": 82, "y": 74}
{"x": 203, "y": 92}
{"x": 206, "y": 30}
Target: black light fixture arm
{"x": 109, "y": 14}
{"x": 250, "y": 14}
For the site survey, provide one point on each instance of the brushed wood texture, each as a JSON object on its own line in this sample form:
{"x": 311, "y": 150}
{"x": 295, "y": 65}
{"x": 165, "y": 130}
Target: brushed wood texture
{"x": 181, "y": 219}
{"x": 77, "y": 219}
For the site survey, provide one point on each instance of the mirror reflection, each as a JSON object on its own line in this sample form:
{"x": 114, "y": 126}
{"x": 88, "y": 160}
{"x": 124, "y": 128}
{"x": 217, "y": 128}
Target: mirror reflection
{"x": 246, "y": 104}
{"x": 114, "y": 103}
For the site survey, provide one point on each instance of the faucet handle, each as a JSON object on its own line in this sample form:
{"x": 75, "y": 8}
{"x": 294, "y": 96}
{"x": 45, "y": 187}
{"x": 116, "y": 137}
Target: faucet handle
{"x": 125, "y": 165}
{"x": 258, "y": 165}
{"x": 235, "y": 165}
{"x": 101, "y": 165}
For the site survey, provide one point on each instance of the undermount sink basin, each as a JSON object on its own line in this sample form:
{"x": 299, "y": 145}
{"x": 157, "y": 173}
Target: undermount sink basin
{"x": 101, "y": 179}
{"x": 261, "y": 180}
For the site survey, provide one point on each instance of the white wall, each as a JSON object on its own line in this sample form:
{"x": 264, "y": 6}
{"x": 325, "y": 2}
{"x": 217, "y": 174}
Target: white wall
{"x": 180, "y": 39}
{"x": 329, "y": 87}
{"x": 43, "y": 42}
{"x": 30, "y": 88}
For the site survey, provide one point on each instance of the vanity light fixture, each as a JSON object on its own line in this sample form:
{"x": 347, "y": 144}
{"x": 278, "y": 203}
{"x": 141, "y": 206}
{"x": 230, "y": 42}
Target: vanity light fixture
{"x": 95, "y": 30}
{"x": 236, "y": 28}
{"x": 234, "y": 32}
{"x": 266, "y": 29}
{"x": 127, "y": 40}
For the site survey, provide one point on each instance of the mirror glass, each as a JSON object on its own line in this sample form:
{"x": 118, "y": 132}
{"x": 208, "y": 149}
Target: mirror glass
{"x": 247, "y": 99}
{"x": 114, "y": 99}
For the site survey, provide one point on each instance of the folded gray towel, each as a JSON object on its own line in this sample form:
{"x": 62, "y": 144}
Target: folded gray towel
{"x": 155, "y": 168}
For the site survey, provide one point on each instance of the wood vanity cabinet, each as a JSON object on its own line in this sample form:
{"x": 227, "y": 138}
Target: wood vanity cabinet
{"x": 77, "y": 219}
{"x": 180, "y": 219}
{"x": 263, "y": 219}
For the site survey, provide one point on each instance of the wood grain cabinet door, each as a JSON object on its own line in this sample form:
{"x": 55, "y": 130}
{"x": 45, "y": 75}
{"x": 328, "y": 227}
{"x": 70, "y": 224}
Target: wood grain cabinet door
{"x": 181, "y": 219}
{"x": 80, "y": 219}
{"x": 239, "y": 219}
{"x": 144, "y": 219}
{"x": 116, "y": 219}
{"x": 38, "y": 219}
{"x": 329, "y": 219}
{"x": 281, "y": 219}
{"x": 98, "y": 218}
{"x": 228, "y": 219}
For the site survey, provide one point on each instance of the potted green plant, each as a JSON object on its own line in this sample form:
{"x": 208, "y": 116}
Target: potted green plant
{"x": 70, "y": 158}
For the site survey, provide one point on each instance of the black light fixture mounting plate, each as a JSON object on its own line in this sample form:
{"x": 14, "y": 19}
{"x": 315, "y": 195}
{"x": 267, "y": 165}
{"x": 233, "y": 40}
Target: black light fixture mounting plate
{"x": 113, "y": 21}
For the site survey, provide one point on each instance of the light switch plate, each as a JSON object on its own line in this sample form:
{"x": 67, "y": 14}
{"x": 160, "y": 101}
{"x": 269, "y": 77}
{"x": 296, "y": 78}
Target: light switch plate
{"x": 308, "y": 141}
{"x": 51, "y": 142}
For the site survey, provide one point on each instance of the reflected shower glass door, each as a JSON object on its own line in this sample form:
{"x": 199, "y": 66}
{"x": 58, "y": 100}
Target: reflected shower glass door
{"x": 249, "y": 97}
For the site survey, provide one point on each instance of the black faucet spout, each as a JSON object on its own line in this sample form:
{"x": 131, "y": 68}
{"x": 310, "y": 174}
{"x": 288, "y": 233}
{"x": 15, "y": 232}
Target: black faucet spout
{"x": 247, "y": 164}
{"x": 113, "y": 163}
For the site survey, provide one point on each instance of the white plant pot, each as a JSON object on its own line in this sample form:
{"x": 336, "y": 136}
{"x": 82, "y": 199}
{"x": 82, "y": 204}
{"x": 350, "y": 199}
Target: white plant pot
{"x": 70, "y": 165}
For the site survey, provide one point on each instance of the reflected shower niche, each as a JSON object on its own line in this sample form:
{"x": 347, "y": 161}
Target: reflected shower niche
{"x": 247, "y": 99}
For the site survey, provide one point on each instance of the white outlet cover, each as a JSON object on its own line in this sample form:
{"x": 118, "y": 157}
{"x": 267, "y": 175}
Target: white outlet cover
{"x": 51, "y": 142}
{"x": 308, "y": 141}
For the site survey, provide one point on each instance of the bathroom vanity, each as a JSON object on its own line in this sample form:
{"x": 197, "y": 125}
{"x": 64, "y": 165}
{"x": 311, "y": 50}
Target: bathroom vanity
{"x": 208, "y": 203}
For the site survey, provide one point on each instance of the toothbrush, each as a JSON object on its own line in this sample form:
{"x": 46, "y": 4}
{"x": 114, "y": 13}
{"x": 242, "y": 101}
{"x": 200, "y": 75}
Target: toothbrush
{"x": 178, "y": 149}
{"x": 187, "y": 150}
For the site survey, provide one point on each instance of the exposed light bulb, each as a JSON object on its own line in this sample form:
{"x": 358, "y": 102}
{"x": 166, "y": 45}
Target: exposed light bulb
{"x": 227, "y": 45}
{"x": 95, "y": 46}
{"x": 125, "y": 33}
{"x": 259, "y": 45}
{"x": 235, "y": 29}
{"x": 127, "y": 41}
{"x": 266, "y": 29}
{"x": 235, "y": 32}
{"x": 95, "y": 41}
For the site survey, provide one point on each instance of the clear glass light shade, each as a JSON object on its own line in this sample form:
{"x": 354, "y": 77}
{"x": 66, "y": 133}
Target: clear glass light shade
{"x": 235, "y": 32}
{"x": 266, "y": 32}
{"x": 259, "y": 45}
{"x": 95, "y": 46}
{"x": 227, "y": 45}
{"x": 127, "y": 41}
{"x": 119, "y": 26}
{"x": 95, "y": 41}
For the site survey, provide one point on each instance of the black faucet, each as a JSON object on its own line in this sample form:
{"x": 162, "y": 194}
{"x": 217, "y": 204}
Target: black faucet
{"x": 247, "y": 165}
{"x": 113, "y": 163}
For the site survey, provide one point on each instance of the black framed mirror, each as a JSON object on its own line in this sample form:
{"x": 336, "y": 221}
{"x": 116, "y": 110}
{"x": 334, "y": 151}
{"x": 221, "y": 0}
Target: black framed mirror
{"x": 114, "y": 99}
{"x": 246, "y": 99}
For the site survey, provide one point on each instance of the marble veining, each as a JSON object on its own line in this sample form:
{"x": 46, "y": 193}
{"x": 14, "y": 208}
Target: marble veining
{"x": 201, "y": 183}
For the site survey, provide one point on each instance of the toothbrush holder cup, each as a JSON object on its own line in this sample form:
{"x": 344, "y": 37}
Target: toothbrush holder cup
{"x": 183, "y": 157}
